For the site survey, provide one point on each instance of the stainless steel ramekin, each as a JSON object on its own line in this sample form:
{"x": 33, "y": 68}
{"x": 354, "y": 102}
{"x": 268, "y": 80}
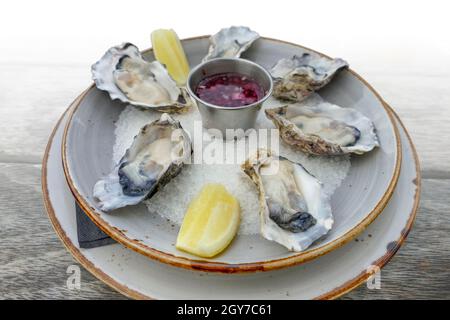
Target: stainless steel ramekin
{"x": 222, "y": 118}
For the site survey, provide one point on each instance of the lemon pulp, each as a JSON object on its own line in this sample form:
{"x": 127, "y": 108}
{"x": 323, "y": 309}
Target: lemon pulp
{"x": 210, "y": 223}
{"x": 168, "y": 50}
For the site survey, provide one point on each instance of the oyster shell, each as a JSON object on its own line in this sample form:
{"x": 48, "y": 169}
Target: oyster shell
{"x": 298, "y": 77}
{"x": 230, "y": 42}
{"x": 294, "y": 210}
{"x": 320, "y": 128}
{"x": 126, "y": 76}
{"x": 156, "y": 155}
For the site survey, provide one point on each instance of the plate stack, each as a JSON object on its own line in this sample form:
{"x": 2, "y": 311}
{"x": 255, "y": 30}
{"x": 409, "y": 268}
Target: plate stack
{"x": 374, "y": 208}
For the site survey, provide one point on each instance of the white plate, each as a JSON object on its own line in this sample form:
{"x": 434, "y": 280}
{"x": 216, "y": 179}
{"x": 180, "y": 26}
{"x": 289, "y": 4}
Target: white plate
{"x": 87, "y": 156}
{"x": 326, "y": 277}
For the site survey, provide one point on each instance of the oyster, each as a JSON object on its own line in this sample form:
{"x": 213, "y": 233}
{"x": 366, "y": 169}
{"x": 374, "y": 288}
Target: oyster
{"x": 126, "y": 76}
{"x": 321, "y": 128}
{"x": 230, "y": 42}
{"x": 298, "y": 77}
{"x": 156, "y": 155}
{"x": 294, "y": 210}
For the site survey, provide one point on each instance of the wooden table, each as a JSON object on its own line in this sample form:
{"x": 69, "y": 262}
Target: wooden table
{"x": 33, "y": 262}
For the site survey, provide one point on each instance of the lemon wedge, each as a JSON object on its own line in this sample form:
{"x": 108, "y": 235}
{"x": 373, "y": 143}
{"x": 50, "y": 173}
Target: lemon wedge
{"x": 210, "y": 223}
{"x": 168, "y": 50}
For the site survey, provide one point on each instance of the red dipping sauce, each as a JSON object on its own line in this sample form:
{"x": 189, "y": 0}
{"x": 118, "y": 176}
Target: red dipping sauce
{"x": 229, "y": 90}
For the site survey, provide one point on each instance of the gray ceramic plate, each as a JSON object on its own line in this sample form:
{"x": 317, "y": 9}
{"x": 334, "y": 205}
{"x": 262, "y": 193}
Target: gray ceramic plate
{"x": 87, "y": 156}
{"x": 326, "y": 277}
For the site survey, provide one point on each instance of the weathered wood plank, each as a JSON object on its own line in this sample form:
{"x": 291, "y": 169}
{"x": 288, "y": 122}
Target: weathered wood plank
{"x": 421, "y": 268}
{"x": 33, "y": 262}
{"x": 29, "y": 111}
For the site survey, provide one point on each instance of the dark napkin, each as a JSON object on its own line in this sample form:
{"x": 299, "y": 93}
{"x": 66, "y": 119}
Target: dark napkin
{"x": 89, "y": 235}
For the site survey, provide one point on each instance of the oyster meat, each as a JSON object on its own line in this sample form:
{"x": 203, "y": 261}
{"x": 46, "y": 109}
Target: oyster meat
{"x": 321, "y": 128}
{"x": 156, "y": 155}
{"x": 296, "y": 78}
{"x": 126, "y": 76}
{"x": 230, "y": 42}
{"x": 294, "y": 210}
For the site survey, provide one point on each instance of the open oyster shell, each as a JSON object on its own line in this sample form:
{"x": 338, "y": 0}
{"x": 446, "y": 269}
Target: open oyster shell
{"x": 156, "y": 155}
{"x": 230, "y": 42}
{"x": 294, "y": 210}
{"x": 298, "y": 77}
{"x": 320, "y": 128}
{"x": 126, "y": 76}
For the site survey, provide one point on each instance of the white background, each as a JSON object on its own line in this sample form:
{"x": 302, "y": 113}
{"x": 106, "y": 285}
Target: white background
{"x": 410, "y": 36}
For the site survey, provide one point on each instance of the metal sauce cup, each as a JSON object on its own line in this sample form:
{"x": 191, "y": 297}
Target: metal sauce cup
{"x": 222, "y": 118}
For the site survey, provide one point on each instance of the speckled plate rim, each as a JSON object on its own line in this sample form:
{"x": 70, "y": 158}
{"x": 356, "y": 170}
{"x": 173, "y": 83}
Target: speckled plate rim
{"x": 123, "y": 289}
{"x": 211, "y": 266}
